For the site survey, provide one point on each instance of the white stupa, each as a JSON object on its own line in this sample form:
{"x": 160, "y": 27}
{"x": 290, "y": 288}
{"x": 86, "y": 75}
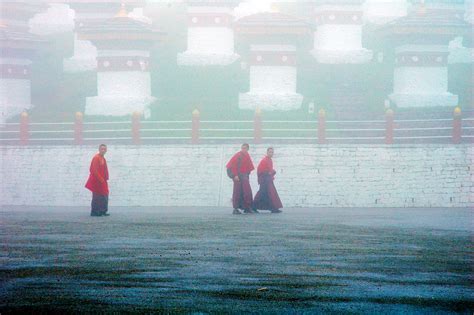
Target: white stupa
{"x": 421, "y": 48}
{"x": 210, "y": 38}
{"x": 338, "y": 34}
{"x": 272, "y": 60}
{"x": 89, "y": 12}
{"x": 123, "y": 65}
{"x": 18, "y": 49}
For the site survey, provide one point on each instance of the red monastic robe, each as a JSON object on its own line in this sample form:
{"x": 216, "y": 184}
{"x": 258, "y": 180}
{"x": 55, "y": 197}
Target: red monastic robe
{"x": 246, "y": 164}
{"x": 267, "y": 196}
{"x": 265, "y": 167}
{"x": 99, "y": 175}
{"x": 241, "y": 165}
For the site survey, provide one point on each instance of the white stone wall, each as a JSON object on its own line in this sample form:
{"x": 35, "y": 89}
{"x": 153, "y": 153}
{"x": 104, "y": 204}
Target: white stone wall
{"x": 185, "y": 175}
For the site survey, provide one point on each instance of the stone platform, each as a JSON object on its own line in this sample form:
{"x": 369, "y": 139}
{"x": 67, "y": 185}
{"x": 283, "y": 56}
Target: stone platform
{"x": 204, "y": 260}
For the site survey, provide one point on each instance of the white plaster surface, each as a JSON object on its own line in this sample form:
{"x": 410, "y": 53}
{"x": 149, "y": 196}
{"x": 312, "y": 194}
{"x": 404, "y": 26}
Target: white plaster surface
{"x": 186, "y": 175}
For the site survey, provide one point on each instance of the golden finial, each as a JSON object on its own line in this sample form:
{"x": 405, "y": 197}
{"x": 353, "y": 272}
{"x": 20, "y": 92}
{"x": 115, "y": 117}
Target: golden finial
{"x": 422, "y": 8}
{"x": 258, "y": 111}
{"x": 122, "y": 12}
{"x": 137, "y": 113}
{"x": 457, "y": 111}
{"x": 274, "y": 8}
{"x": 196, "y": 112}
{"x": 322, "y": 112}
{"x": 389, "y": 112}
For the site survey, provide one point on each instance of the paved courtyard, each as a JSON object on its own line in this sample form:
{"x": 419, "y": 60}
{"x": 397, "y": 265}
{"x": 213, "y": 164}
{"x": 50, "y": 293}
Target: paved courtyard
{"x": 204, "y": 260}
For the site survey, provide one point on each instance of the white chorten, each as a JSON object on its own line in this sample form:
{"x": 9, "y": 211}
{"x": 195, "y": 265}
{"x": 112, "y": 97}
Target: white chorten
{"x": 210, "y": 39}
{"x": 271, "y": 60}
{"x": 123, "y": 66}
{"x": 338, "y": 34}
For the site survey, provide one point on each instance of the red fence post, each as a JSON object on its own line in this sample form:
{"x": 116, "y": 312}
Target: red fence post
{"x": 136, "y": 127}
{"x": 78, "y": 128}
{"x": 257, "y": 126}
{"x": 322, "y": 126}
{"x": 457, "y": 125}
{"x": 389, "y": 126}
{"x": 195, "y": 126}
{"x": 24, "y": 128}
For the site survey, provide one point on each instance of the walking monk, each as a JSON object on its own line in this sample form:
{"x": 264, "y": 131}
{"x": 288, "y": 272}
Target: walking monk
{"x": 267, "y": 196}
{"x": 239, "y": 168}
{"x": 97, "y": 183}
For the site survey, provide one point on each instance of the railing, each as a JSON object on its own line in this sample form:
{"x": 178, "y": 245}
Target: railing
{"x": 138, "y": 131}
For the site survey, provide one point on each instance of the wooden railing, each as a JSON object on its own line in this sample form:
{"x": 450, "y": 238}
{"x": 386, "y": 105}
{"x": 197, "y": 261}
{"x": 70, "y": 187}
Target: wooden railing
{"x": 139, "y": 131}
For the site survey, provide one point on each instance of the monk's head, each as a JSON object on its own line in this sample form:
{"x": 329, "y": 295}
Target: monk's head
{"x": 245, "y": 147}
{"x": 270, "y": 152}
{"x": 102, "y": 149}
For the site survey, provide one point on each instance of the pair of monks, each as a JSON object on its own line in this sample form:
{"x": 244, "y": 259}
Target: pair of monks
{"x": 239, "y": 168}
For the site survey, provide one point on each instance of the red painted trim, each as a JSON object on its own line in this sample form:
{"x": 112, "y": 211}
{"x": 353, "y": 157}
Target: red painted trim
{"x": 257, "y": 128}
{"x": 457, "y": 129}
{"x": 123, "y": 63}
{"x": 195, "y": 128}
{"x": 321, "y": 128}
{"x": 338, "y": 17}
{"x": 209, "y": 20}
{"x": 422, "y": 59}
{"x": 272, "y": 58}
{"x": 136, "y": 126}
{"x": 9, "y": 71}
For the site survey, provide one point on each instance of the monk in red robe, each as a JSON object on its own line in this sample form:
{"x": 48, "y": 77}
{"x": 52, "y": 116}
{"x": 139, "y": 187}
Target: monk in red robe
{"x": 239, "y": 168}
{"x": 97, "y": 183}
{"x": 267, "y": 196}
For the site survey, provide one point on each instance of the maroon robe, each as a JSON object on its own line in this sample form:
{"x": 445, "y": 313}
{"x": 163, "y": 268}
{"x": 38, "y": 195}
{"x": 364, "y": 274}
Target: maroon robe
{"x": 241, "y": 165}
{"x": 267, "y": 196}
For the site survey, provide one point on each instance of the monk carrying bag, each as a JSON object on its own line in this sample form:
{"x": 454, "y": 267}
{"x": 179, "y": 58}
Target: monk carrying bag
{"x": 229, "y": 170}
